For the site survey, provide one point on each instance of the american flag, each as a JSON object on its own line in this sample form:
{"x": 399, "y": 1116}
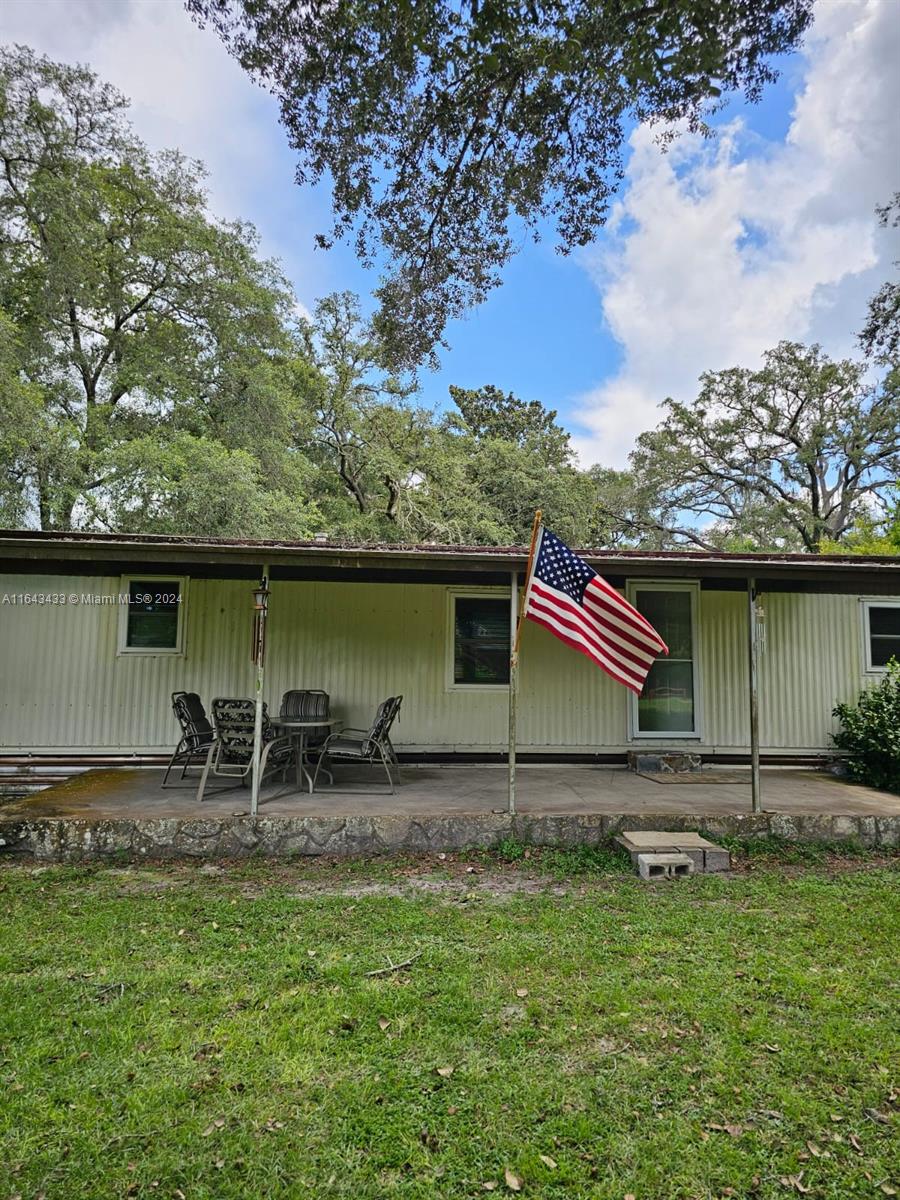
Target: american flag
{"x": 570, "y": 599}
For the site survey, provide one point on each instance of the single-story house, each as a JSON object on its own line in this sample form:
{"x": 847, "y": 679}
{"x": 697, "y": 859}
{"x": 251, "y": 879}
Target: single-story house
{"x": 97, "y": 630}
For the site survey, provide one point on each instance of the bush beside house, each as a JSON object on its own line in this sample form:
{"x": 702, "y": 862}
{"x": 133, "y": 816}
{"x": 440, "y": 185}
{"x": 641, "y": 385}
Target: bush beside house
{"x": 870, "y": 733}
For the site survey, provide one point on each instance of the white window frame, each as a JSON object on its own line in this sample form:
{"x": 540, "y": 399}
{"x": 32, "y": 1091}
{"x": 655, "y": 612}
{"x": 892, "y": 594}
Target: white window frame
{"x": 659, "y": 735}
{"x": 152, "y": 651}
{"x": 470, "y": 593}
{"x": 867, "y": 603}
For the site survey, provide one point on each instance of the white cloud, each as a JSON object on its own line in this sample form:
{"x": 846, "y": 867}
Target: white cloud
{"x": 186, "y": 93}
{"x": 718, "y": 250}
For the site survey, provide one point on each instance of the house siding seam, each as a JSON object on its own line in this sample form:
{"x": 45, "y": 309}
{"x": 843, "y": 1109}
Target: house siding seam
{"x": 65, "y": 688}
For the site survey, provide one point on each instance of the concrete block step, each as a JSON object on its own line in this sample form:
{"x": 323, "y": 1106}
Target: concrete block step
{"x": 664, "y": 866}
{"x": 705, "y": 855}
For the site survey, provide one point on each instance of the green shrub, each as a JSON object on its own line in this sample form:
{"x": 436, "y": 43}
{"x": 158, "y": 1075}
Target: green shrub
{"x": 871, "y": 733}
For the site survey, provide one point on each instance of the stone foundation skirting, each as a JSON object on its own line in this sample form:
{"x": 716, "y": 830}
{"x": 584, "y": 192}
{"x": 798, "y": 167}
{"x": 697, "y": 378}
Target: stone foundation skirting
{"x": 72, "y": 841}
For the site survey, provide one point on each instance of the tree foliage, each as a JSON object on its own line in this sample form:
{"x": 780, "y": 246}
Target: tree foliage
{"x": 132, "y": 317}
{"x": 444, "y": 126}
{"x": 154, "y": 378}
{"x": 880, "y": 336}
{"x": 393, "y": 470}
{"x": 783, "y": 457}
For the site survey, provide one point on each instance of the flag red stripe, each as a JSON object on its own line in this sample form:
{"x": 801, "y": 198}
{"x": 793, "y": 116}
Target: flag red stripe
{"x": 623, "y": 609}
{"x": 600, "y": 584}
{"x": 577, "y": 644}
{"x": 561, "y": 624}
{"x": 628, "y": 642}
{"x": 555, "y": 602}
{"x": 606, "y": 634}
{"x": 573, "y": 622}
{"x": 605, "y": 614}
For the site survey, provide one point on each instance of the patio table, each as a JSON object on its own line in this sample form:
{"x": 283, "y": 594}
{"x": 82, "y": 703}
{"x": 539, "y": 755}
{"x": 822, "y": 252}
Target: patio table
{"x": 299, "y": 730}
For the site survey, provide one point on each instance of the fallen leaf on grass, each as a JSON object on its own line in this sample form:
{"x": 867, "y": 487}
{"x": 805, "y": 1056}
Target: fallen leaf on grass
{"x": 383, "y": 1023}
{"x": 734, "y": 1131}
{"x": 856, "y": 1143}
{"x": 772, "y": 1049}
{"x": 548, "y": 1161}
{"x": 513, "y": 1182}
{"x": 490, "y": 1185}
{"x": 814, "y": 1149}
{"x": 888, "y": 1190}
{"x": 875, "y": 1115}
{"x": 444, "y": 1072}
{"x": 213, "y": 1126}
{"x": 521, "y": 993}
{"x": 795, "y": 1182}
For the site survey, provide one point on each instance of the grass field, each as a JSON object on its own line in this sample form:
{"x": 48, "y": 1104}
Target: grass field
{"x": 562, "y": 1030}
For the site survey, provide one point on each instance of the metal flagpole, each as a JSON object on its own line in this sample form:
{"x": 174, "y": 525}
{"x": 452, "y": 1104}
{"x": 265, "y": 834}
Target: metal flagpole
{"x": 516, "y": 612}
{"x": 259, "y": 655}
{"x": 753, "y": 651}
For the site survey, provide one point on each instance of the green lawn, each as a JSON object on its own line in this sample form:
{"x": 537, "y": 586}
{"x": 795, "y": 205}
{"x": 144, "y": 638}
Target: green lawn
{"x": 166, "y": 1033}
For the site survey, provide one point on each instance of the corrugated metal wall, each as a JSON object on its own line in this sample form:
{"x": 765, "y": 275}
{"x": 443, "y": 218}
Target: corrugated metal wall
{"x": 64, "y": 686}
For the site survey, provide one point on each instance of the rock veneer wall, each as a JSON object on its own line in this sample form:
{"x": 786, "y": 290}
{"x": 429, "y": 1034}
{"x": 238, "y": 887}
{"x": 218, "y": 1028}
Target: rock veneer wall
{"x": 67, "y": 841}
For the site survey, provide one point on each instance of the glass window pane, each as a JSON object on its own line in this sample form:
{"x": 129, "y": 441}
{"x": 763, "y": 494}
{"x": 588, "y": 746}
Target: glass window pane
{"x": 670, "y": 615}
{"x": 884, "y": 631}
{"x": 884, "y": 649}
{"x": 153, "y": 614}
{"x": 666, "y": 705}
{"x": 885, "y": 620}
{"x": 481, "y": 640}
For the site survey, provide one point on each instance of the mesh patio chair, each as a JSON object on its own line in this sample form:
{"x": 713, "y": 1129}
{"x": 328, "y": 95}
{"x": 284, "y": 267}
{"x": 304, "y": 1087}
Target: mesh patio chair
{"x": 231, "y": 754}
{"x": 196, "y": 734}
{"x": 372, "y": 745}
{"x": 307, "y": 705}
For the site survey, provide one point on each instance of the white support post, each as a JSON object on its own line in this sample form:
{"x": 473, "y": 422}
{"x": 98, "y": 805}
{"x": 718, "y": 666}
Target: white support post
{"x": 753, "y": 651}
{"x": 260, "y": 656}
{"x": 516, "y": 616}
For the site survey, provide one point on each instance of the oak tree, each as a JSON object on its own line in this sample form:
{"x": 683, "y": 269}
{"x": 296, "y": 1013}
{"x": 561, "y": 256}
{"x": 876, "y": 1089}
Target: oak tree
{"x": 788, "y": 456}
{"x": 133, "y": 318}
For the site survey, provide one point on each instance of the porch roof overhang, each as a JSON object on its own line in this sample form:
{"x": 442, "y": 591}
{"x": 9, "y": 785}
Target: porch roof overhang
{"x": 38, "y": 552}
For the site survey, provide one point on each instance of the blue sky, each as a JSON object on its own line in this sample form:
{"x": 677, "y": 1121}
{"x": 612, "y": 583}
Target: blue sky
{"x": 715, "y": 251}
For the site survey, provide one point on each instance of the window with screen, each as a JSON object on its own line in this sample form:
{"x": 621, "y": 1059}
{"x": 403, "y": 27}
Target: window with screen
{"x": 882, "y": 633}
{"x": 481, "y": 643}
{"x": 667, "y": 704}
{"x": 154, "y": 614}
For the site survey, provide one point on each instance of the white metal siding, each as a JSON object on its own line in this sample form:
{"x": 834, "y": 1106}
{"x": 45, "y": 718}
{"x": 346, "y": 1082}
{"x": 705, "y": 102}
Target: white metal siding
{"x": 64, "y": 687}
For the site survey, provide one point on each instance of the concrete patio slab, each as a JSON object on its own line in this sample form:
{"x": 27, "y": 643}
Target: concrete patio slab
{"x": 450, "y": 790}
{"x": 113, "y": 812}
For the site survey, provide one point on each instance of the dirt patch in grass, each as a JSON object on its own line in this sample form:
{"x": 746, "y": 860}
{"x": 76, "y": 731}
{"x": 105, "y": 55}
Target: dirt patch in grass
{"x": 514, "y": 869}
